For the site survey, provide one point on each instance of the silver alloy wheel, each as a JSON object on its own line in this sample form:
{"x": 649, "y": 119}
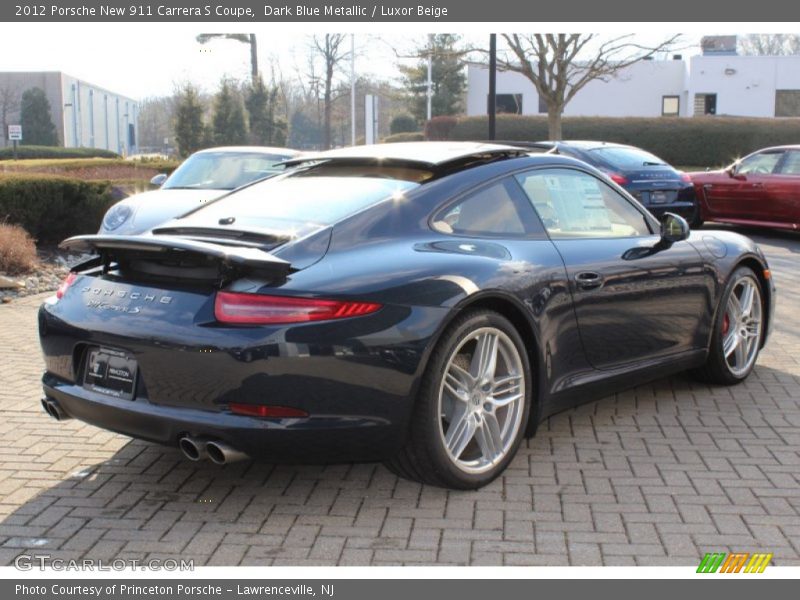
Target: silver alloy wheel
{"x": 741, "y": 326}
{"x": 481, "y": 400}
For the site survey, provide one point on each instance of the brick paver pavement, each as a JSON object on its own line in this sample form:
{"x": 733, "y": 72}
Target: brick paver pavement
{"x": 657, "y": 475}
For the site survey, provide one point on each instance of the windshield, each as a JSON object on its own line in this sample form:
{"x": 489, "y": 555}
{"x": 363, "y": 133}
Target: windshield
{"x": 623, "y": 158}
{"x": 296, "y": 199}
{"x": 223, "y": 170}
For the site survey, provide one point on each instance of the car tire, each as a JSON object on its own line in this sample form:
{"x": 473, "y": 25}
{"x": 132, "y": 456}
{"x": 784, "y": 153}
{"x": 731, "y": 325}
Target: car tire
{"x": 473, "y": 405}
{"x": 696, "y": 222}
{"x": 695, "y": 219}
{"x": 738, "y": 331}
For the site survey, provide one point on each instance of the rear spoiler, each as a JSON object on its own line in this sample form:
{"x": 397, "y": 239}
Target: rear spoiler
{"x": 251, "y": 259}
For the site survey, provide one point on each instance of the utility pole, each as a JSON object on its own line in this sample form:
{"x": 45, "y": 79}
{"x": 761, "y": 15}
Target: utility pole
{"x": 353, "y": 89}
{"x": 492, "y": 85}
{"x": 430, "y": 73}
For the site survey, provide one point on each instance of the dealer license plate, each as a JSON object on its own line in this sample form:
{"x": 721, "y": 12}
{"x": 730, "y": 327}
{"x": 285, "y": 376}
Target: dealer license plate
{"x": 110, "y": 372}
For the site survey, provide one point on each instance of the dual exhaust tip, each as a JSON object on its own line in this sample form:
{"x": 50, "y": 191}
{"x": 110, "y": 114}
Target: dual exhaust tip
{"x": 193, "y": 448}
{"x": 197, "y": 449}
{"x": 52, "y": 408}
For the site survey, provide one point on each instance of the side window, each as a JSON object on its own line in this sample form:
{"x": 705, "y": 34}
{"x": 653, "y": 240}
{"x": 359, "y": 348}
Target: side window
{"x": 759, "y": 164}
{"x": 791, "y": 164}
{"x": 498, "y": 209}
{"x": 574, "y": 204}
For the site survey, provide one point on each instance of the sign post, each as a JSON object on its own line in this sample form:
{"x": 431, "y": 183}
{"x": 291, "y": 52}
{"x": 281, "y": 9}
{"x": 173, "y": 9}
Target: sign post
{"x": 15, "y": 135}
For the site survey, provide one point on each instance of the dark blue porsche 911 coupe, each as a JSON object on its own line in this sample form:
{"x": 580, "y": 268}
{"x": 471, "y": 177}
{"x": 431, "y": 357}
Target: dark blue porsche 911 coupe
{"x": 424, "y": 304}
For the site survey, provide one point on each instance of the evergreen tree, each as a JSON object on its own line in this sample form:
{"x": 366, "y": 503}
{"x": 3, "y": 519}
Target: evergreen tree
{"x": 229, "y": 125}
{"x": 448, "y": 80}
{"x": 189, "y": 127}
{"x": 266, "y": 129}
{"x": 37, "y": 123}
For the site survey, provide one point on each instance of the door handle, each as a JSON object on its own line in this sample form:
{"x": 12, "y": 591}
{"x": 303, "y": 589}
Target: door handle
{"x": 589, "y": 280}
{"x": 758, "y": 185}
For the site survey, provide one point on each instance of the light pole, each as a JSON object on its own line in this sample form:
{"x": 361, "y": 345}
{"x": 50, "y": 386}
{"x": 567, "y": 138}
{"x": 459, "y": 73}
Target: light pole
{"x": 492, "y": 85}
{"x": 430, "y": 74}
{"x": 352, "y": 89}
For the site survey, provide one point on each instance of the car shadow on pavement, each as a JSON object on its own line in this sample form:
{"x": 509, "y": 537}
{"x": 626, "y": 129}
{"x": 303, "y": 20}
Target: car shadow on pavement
{"x": 658, "y": 474}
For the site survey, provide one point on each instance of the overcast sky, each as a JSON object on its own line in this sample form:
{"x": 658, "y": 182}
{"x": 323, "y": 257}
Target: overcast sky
{"x": 141, "y": 60}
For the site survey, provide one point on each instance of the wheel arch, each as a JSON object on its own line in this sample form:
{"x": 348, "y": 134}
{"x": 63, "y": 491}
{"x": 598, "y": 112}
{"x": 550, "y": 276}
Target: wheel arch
{"x": 514, "y": 310}
{"x": 758, "y": 267}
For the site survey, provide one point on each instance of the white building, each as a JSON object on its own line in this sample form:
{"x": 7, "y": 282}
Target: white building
{"x": 721, "y": 84}
{"x": 85, "y": 115}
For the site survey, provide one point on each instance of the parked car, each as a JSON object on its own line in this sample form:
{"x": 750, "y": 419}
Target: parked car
{"x": 204, "y": 176}
{"x": 658, "y": 186}
{"x": 426, "y": 304}
{"x": 762, "y": 189}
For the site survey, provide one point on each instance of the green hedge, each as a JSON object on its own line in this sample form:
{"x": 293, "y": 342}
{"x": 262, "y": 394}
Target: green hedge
{"x": 696, "y": 141}
{"x": 52, "y": 208}
{"x": 55, "y": 152}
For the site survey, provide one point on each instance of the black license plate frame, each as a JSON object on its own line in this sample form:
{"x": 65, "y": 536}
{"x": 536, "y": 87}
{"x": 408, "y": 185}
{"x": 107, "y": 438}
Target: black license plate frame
{"x": 110, "y": 372}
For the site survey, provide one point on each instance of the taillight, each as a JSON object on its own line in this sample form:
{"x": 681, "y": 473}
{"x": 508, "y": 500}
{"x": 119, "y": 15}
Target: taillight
{"x": 266, "y": 411}
{"x": 257, "y": 309}
{"x": 618, "y": 179}
{"x": 685, "y": 177}
{"x": 68, "y": 281}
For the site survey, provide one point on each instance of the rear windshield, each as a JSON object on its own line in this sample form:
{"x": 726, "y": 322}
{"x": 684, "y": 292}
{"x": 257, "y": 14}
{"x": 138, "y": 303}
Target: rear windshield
{"x": 301, "y": 199}
{"x": 224, "y": 170}
{"x": 627, "y": 158}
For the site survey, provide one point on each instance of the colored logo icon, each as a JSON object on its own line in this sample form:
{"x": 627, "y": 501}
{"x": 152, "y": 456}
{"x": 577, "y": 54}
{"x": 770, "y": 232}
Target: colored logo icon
{"x": 737, "y": 562}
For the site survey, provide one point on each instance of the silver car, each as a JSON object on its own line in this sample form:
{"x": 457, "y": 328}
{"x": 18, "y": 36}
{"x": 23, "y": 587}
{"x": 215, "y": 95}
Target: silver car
{"x": 204, "y": 176}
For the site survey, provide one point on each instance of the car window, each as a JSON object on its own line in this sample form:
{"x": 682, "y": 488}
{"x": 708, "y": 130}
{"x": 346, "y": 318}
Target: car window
{"x": 497, "y": 209}
{"x": 759, "y": 164}
{"x": 285, "y": 201}
{"x": 791, "y": 164}
{"x": 628, "y": 159}
{"x": 574, "y": 204}
{"x": 224, "y": 170}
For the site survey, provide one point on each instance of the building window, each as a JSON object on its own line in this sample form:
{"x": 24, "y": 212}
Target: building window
{"x": 705, "y": 104}
{"x": 507, "y": 103}
{"x": 787, "y": 103}
{"x": 670, "y": 106}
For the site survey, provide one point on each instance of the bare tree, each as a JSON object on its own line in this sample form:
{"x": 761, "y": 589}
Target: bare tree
{"x": 330, "y": 47}
{"x": 245, "y": 38}
{"x": 10, "y": 98}
{"x": 770, "y": 44}
{"x": 560, "y": 65}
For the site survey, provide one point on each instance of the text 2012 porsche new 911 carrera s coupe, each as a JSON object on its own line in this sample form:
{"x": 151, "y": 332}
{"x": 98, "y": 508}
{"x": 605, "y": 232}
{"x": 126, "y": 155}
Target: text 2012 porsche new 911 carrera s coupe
{"x": 424, "y": 304}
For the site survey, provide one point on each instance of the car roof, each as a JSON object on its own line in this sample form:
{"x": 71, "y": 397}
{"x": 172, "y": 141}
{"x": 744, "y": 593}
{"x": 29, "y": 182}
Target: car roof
{"x": 428, "y": 154}
{"x": 590, "y": 144}
{"x": 251, "y": 149}
{"x": 778, "y": 148}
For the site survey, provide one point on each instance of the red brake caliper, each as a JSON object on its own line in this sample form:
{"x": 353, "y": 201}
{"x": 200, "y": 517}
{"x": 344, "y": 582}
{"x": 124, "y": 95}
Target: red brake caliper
{"x": 726, "y": 323}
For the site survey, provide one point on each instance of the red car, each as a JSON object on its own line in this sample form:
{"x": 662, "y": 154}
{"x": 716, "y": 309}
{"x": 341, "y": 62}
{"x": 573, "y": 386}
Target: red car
{"x": 761, "y": 189}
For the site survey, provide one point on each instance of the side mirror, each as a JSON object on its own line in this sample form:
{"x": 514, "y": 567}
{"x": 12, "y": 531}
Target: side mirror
{"x": 674, "y": 228}
{"x": 158, "y": 180}
{"x": 732, "y": 171}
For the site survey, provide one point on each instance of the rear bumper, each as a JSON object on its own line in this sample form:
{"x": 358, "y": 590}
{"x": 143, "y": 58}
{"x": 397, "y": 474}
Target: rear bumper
{"x": 356, "y": 379}
{"x": 315, "y": 439}
{"x": 684, "y": 203}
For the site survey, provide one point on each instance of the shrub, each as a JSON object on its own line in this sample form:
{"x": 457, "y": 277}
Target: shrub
{"x": 411, "y": 136}
{"x": 17, "y": 250}
{"x": 698, "y": 141}
{"x": 51, "y": 208}
{"x": 403, "y": 124}
{"x": 440, "y": 128}
{"x": 92, "y": 168}
{"x": 55, "y": 152}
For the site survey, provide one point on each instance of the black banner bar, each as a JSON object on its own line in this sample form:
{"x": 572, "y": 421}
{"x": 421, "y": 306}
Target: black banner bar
{"x": 395, "y": 11}
{"x": 730, "y": 588}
